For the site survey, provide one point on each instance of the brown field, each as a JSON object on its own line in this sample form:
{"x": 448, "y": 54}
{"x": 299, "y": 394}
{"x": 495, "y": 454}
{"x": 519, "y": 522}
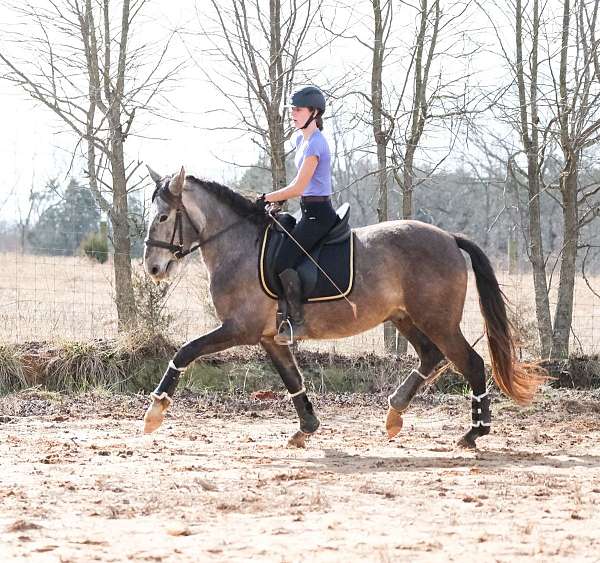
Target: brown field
{"x": 48, "y": 298}
{"x": 81, "y": 483}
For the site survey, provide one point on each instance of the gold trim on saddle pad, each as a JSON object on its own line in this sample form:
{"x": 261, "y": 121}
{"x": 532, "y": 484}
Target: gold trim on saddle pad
{"x": 261, "y": 271}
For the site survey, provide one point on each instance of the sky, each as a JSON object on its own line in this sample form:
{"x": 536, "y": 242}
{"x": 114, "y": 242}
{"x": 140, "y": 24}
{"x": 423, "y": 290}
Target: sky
{"x": 36, "y": 146}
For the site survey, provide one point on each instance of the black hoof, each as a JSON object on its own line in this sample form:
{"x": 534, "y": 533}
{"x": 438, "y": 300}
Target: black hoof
{"x": 468, "y": 440}
{"x": 309, "y": 424}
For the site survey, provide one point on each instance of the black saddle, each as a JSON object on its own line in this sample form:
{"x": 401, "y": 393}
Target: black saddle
{"x": 334, "y": 254}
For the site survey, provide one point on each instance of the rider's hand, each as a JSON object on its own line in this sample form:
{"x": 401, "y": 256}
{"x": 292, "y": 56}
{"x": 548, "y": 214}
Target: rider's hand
{"x": 261, "y": 203}
{"x": 273, "y": 207}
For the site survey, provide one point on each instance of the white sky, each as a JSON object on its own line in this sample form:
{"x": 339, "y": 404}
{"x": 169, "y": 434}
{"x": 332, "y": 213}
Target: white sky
{"x": 34, "y": 144}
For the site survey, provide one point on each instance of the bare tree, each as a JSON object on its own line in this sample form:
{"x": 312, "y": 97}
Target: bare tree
{"x": 78, "y": 59}
{"x": 429, "y": 20}
{"x": 577, "y": 114}
{"x": 439, "y": 94}
{"x": 523, "y": 64}
{"x": 400, "y": 103}
{"x": 558, "y": 91}
{"x": 256, "y": 59}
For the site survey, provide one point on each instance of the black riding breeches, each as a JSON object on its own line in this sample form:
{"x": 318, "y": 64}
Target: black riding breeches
{"x": 318, "y": 217}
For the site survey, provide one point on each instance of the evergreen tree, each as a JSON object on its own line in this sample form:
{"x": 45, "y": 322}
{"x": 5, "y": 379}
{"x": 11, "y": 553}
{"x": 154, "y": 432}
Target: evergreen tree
{"x": 61, "y": 228}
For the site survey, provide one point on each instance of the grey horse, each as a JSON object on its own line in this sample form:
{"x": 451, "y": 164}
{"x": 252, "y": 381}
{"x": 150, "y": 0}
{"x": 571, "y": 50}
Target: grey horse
{"x": 407, "y": 272}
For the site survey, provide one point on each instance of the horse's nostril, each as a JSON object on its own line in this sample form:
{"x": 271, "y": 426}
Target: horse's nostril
{"x": 154, "y": 270}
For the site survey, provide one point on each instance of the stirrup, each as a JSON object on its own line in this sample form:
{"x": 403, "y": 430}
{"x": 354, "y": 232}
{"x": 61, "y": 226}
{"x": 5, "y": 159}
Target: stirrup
{"x": 281, "y": 338}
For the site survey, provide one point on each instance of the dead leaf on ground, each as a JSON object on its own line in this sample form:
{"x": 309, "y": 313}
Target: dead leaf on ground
{"x": 21, "y": 526}
{"x": 179, "y": 531}
{"x": 45, "y": 548}
{"x": 206, "y": 485}
{"x": 264, "y": 396}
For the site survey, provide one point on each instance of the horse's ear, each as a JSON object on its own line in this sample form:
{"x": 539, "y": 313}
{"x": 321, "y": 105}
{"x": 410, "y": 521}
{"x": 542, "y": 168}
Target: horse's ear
{"x": 156, "y": 177}
{"x": 176, "y": 184}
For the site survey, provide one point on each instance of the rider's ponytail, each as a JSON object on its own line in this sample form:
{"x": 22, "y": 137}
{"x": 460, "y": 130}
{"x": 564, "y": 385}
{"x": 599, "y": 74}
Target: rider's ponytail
{"x": 318, "y": 118}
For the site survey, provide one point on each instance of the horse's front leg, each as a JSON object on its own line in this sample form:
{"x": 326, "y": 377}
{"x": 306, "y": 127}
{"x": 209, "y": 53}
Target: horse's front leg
{"x": 285, "y": 363}
{"x": 226, "y": 336}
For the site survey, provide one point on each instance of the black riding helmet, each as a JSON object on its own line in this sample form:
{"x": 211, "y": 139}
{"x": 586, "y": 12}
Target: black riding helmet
{"x": 309, "y": 97}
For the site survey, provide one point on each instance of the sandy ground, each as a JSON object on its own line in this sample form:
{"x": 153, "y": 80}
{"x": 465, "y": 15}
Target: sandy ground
{"x": 79, "y": 482}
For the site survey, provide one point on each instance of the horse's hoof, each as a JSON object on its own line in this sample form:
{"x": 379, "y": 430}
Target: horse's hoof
{"x": 156, "y": 412}
{"x": 298, "y": 440}
{"x": 466, "y": 443}
{"x": 393, "y": 422}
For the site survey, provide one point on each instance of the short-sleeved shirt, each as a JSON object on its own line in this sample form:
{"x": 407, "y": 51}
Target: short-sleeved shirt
{"x": 316, "y": 145}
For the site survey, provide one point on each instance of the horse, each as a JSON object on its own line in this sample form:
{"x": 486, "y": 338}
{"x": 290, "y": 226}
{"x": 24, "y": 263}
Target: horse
{"x": 407, "y": 272}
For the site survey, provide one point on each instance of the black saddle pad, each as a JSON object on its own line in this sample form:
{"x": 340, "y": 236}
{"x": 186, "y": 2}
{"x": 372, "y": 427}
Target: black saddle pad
{"x": 335, "y": 256}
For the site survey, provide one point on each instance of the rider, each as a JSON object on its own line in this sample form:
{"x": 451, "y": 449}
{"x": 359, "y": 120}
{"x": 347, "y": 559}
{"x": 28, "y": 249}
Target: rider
{"x": 313, "y": 184}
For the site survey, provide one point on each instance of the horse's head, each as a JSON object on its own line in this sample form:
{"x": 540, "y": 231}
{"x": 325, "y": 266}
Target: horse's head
{"x": 170, "y": 231}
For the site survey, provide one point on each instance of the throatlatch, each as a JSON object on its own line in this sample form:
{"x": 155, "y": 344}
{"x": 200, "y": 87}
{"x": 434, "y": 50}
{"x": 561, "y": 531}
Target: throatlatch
{"x": 481, "y": 413}
{"x": 168, "y": 383}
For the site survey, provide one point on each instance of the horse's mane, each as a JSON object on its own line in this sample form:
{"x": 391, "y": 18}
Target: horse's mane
{"x": 236, "y": 201}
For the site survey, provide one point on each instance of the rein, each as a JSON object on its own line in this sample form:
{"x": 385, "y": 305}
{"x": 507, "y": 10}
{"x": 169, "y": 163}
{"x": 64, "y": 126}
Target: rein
{"x": 178, "y": 250}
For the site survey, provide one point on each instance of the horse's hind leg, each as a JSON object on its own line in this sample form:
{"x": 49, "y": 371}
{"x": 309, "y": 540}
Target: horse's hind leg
{"x": 470, "y": 364}
{"x": 429, "y": 357}
{"x": 285, "y": 363}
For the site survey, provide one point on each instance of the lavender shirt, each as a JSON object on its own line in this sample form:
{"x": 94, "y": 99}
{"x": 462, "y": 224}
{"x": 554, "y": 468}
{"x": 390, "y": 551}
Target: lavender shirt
{"x": 320, "y": 183}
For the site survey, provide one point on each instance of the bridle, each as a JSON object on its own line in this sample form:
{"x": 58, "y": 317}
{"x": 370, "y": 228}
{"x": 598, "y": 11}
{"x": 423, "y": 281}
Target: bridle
{"x": 176, "y": 201}
{"x": 177, "y": 250}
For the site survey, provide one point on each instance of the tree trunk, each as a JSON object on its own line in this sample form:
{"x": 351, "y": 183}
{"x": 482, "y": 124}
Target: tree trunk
{"x": 276, "y": 82}
{"x": 407, "y": 212}
{"x": 124, "y": 297}
{"x": 408, "y": 183}
{"x": 381, "y": 140}
{"x": 568, "y": 187}
{"x": 563, "y": 316}
{"x": 531, "y": 147}
{"x": 536, "y": 257}
{"x": 277, "y": 142}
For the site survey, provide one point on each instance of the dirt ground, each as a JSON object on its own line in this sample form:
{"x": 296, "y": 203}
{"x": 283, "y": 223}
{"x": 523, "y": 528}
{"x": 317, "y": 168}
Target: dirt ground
{"x": 80, "y": 482}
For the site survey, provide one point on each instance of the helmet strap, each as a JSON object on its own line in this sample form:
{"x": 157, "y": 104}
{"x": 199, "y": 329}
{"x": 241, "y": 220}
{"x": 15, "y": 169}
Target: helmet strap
{"x": 310, "y": 120}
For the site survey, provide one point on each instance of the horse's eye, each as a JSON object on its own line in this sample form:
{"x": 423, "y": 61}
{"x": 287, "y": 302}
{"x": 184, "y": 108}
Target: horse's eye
{"x": 163, "y": 218}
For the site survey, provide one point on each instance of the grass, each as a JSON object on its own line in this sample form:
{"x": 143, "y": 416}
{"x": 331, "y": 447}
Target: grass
{"x": 12, "y": 377}
{"x": 136, "y": 363}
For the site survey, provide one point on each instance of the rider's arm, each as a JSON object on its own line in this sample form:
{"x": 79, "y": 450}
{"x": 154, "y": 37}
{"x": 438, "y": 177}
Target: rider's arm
{"x": 298, "y": 185}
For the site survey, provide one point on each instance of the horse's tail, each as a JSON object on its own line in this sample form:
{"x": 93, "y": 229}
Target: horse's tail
{"x": 518, "y": 380}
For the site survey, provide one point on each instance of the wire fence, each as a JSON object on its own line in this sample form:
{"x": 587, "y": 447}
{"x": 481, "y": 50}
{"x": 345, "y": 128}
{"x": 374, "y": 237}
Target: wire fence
{"x": 49, "y": 298}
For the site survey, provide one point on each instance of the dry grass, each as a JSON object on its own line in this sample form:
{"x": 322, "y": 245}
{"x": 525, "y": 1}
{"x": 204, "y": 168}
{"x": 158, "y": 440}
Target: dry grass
{"x": 11, "y": 369}
{"x": 71, "y": 298}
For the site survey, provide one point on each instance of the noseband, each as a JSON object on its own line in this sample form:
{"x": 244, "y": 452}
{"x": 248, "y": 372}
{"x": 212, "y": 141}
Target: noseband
{"x": 175, "y": 201}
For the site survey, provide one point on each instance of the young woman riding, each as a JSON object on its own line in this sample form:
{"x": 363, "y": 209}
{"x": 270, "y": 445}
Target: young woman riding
{"x": 313, "y": 184}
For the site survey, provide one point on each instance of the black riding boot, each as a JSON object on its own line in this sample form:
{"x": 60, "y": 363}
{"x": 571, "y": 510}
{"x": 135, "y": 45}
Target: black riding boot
{"x": 293, "y": 326}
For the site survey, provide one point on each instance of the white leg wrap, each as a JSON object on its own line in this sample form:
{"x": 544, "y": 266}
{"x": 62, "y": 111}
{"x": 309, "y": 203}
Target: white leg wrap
{"x": 292, "y": 395}
{"x": 480, "y": 423}
{"x": 173, "y": 366}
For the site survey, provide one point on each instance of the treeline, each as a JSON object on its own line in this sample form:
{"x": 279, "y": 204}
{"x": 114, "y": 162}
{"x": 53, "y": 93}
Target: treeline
{"x": 489, "y": 211}
{"x": 67, "y": 222}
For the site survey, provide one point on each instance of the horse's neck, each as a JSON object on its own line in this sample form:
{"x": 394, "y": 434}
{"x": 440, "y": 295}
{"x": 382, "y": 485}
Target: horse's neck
{"x": 232, "y": 238}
